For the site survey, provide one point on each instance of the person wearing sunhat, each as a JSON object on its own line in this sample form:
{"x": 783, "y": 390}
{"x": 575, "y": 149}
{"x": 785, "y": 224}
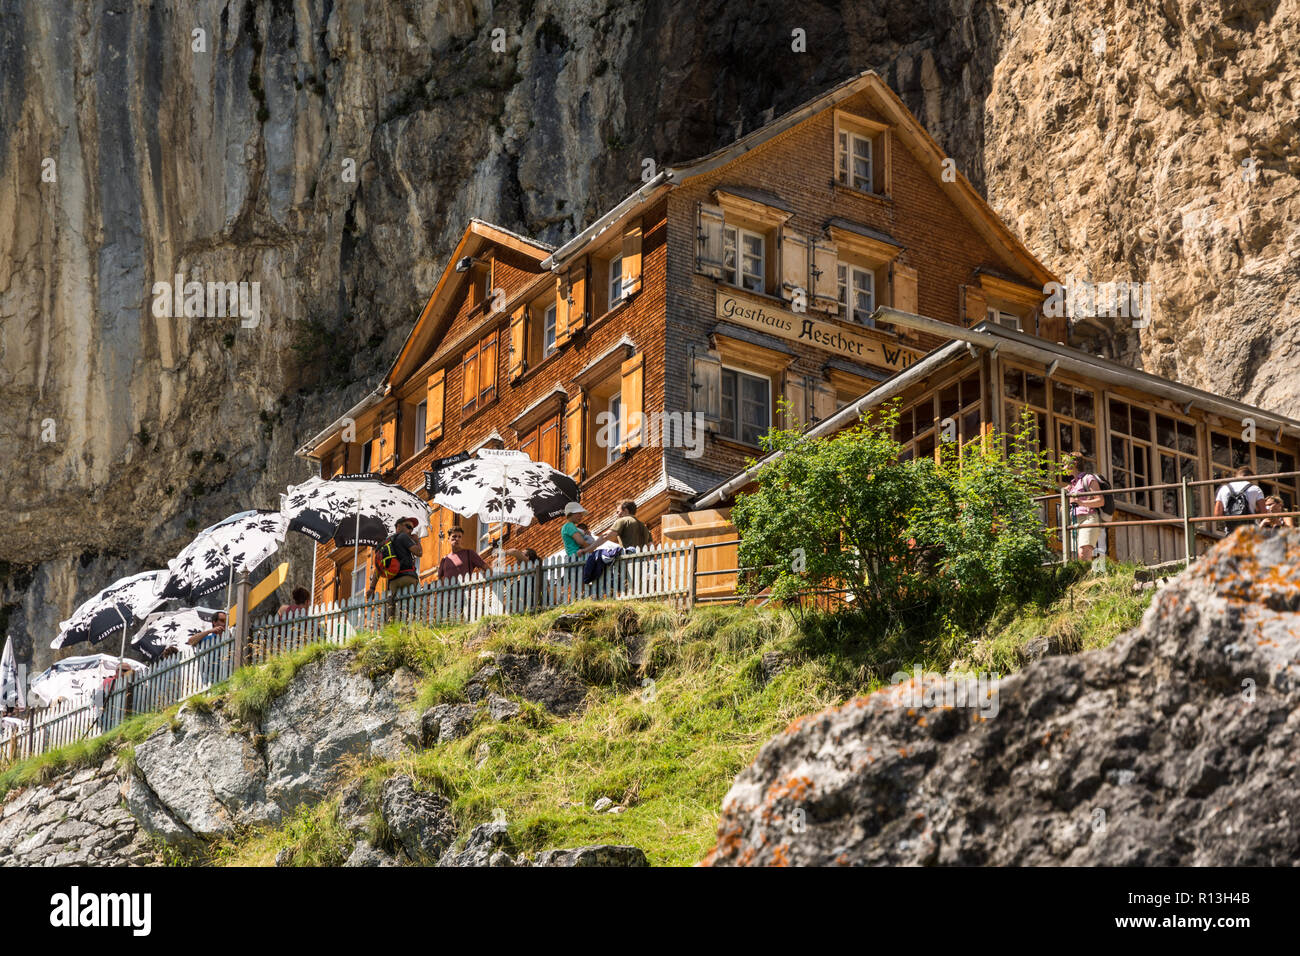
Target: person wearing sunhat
{"x": 573, "y": 537}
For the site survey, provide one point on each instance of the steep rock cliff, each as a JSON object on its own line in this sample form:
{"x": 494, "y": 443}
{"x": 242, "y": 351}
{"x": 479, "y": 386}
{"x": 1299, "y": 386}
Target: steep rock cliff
{"x": 333, "y": 152}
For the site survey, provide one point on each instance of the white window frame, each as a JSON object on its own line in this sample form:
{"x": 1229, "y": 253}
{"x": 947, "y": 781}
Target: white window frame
{"x": 733, "y": 246}
{"x": 421, "y": 426}
{"x": 615, "y": 280}
{"x": 739, "y": 419}
{"x": 848, "y": 157}
{"x": 483, "y": 536}
{"x": 996, "y": 316}
{"x": 359, "y": 580}
{"x": 548, "y": 330}
{"x": 847, "y": 275}
{"x": 615, "y": 430}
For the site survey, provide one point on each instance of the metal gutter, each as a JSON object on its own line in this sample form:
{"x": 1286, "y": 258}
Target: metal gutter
{"x": 368, "y": 402}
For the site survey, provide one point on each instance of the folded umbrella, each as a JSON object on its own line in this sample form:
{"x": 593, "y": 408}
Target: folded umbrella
{"x": 13, "y": 678}
{"x": 78, "y": 679}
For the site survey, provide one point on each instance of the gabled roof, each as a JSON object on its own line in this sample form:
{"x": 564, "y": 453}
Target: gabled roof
{"x": 1009, "y": 342}
{"x": 909, "y": 130}
{"x": 434, "y": 317}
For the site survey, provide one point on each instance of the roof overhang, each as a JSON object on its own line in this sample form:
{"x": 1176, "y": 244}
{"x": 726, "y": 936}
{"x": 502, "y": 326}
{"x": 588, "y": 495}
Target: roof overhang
{"x": 308, "y": 449}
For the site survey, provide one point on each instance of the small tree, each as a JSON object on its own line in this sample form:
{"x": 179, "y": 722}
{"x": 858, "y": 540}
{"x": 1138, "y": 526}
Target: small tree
{"x": 902, "y": 536}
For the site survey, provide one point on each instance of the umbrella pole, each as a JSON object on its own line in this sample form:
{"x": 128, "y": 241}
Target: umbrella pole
{"x": 356, "y": 541}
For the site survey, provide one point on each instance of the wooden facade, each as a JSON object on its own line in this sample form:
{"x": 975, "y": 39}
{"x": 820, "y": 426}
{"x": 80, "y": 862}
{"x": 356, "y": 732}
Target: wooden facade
{"x": 648, "y": 354}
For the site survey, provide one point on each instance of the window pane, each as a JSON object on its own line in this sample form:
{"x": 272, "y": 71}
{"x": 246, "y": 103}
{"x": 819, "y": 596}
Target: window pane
{"x": 970, "y": 426}
{"x": 1220, "y": 449}
{"x": 1119, "y": 465}
{"x": 1013, "y": 383}
{"x": 755, "y": 389}
{"x": 1064, "y": 438}
{"x": 1187, "y": 438}
{"x": 1061, "y": 400}
{"x": 1119, "y": 417}
{"x": 1037, "y": 389}
{"x": 1166, "y": 432}
{"x": 1083, "y": 406}
{"x": 1088, "y": 442}
{"x": 1141, "y": 422}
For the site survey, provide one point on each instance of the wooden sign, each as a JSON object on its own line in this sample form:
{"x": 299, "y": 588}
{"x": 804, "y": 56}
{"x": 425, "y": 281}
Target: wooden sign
{"x": 265, "y": 588}
{"x": 829, "y": 336}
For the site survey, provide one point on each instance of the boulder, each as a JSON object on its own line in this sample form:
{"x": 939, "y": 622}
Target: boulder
{"x": 444, "y": 722}
{"x": 488, "y": 844}
{"x": 363, "y": 854}
{"x": 419, "y": 821}
{"x": 1175, "y": 746}
{"x": 501, "y": 708}
{"x": 597, "y": 855}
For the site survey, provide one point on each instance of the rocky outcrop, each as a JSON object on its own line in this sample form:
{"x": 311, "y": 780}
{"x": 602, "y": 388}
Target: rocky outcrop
{"x": 76, "y": 819}
{"x": 1175, "y": 746}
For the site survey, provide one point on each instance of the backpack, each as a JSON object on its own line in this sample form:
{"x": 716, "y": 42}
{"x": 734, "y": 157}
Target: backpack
{"x": 1107, "y": 499}
{"x": 1239, "y": 501}
{"x": 387, "y": 563}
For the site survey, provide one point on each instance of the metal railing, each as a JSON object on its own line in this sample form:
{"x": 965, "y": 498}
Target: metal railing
{"x": 657, "y": 572}
{"x": 1186, "y": 521}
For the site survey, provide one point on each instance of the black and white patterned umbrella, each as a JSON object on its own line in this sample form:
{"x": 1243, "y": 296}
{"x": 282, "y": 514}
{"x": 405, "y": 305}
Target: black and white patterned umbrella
{"x": 210, "y": 562}
{"x": 505, "y": 487}
{"x": 116, "y": 608}
{"x": 77, "y": 678}
{"x": 352, "y": 511}
{"x": 13, "y": 678}
{"x": 166, "y": 629}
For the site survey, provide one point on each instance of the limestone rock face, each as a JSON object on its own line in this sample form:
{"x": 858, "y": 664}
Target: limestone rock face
{"x": 333, "y": 153}
{"x": 1175, "y": 746}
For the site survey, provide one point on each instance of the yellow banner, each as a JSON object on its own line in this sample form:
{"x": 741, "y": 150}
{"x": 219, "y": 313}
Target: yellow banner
{"x": 828, "y": 336}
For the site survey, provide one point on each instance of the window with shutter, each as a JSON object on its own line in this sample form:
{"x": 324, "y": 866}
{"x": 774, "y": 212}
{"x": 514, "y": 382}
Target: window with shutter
{"x": 578, "y": 306}
{"x": 825, "y": 275}
{"x": 518, "y": 342}
{"x": 574, "y": 432}
{"x": 903, "y": 295}
{"x": 469, "y": 379}
{"x": 709, "y": 254}
{"x": 548, "y": 442}
{"x": 824, "y": 400}
{"x": 794, "y": 263}
{"x": 434, "y": 413}
{"x": 562, "y": 311}
{"x": 487, "y": 368}
{"x": 631, "y": 259}
{"x": 387, "y": 444}
{"x": 633, "y": 392}
{"x": 706, "y": 385}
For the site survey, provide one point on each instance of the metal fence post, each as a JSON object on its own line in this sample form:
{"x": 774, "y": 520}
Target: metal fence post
{"x": 1065, "y": 529}
{"x": 1189, "y": 546}
{"x": 691, "y": 585}
{"x": 242, "y": 630}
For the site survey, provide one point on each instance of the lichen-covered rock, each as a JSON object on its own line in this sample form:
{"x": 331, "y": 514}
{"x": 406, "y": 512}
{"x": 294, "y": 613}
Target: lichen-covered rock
{"x": 445, "y": 722}
{"x": 488, "y": 844}
{"x": 330, "y": 711}
{"x": 597, "y": 855}
{"x": 501, "y": 708}
{"x": 419, "y": 821}
{"x": 1175, "y": 746}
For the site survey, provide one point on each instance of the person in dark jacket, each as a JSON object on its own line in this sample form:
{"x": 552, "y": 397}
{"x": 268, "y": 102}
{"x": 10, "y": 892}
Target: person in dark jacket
{"x": 407, "y": 550}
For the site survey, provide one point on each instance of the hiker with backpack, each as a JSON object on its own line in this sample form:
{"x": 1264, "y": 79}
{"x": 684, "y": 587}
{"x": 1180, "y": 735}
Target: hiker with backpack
{"x": 395, "y": 562}
{"x": 1239, "y": 497}
{"x": 1089, "y": 506}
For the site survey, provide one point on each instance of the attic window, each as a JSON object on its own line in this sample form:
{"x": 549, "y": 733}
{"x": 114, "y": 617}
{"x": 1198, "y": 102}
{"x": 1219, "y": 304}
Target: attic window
{"x": 861, "y": 154}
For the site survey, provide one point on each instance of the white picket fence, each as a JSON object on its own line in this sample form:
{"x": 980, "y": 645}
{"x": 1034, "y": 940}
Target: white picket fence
{"x": 655, "y": 573}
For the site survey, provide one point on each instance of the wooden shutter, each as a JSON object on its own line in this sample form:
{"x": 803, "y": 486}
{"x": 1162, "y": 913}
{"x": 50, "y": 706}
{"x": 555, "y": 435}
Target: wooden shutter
{"x": 434, "y": 406}
{"x": 578, "y": 276}
{"x": 709, "y": 241}
{"x": 574, "y": 425}
{"x": 528, "y": 444}
{"x": 632, "y": 259}
{"x": 487, "y": 367}
{"x": 518, "y": 342}
{"x": 387, "y": 444}
{"x": 562, "y": 311}
{"x": 825, "y": 401}
{"x": 548, "y": 442}
{"x": 825, "y": 275}
{"x": 706, "y": 385}
{"x": 974, "y": 305}
{"x": 376, "y": 450}
{"x": 469, "y": 378}
{"x": 903, "y": 295}
{"x": 632, "y": 397}
{"x": 338, "y": 462}
{"x": 794, "y": 263}
{"x": 796, "y": 397}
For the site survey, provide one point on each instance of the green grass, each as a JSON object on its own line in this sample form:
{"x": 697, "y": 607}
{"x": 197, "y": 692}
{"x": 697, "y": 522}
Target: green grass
{"x": 677, "y": 706}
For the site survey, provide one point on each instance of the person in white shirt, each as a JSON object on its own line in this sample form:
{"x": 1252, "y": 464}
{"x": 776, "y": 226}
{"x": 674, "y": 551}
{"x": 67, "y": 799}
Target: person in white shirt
{"x": 1239, "y": 497}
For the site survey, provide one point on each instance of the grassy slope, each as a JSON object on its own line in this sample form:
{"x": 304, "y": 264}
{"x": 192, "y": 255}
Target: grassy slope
{"x": 664, "y": 739}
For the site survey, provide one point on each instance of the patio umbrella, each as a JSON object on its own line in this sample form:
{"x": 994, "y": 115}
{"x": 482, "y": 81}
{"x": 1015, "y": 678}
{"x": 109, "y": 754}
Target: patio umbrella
{"x": 209, "y": 562}
{"x": 165, "y": 629}
{"x": 505, "y": 487}
{"x": 77, "y": 678}
{"x": 352, "y": 511}
{"x": 117, "y": 607}
{"x": 13, "y": 678}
